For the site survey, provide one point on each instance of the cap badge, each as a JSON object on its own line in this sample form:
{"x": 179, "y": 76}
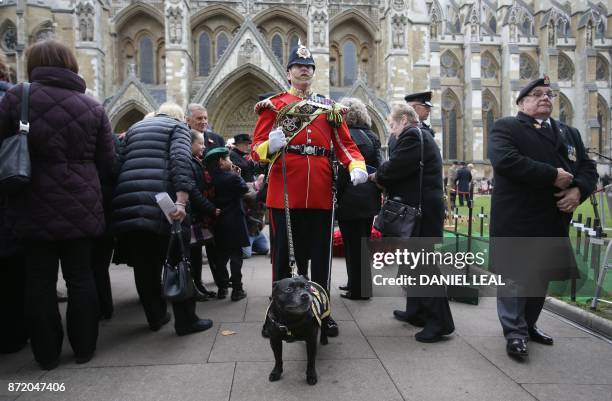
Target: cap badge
{"x": 302, "y": 51}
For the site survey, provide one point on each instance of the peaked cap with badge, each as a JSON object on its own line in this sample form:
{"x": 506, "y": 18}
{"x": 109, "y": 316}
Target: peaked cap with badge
{"x": 423, "y": 97}
{"x": 544, "y": 81}
{"x": 300, "y": 55}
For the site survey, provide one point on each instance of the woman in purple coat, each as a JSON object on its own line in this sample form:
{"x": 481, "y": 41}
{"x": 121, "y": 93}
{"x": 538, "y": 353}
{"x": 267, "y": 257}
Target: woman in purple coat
{"x": 60, "y": 213}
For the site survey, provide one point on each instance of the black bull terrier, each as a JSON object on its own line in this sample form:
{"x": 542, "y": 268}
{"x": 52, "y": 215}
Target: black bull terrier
{"x": 299, "y": 308}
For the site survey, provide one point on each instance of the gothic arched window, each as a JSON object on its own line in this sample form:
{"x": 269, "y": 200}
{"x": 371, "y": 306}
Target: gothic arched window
{"x": 566, "y": 113}
{"x": 565, "y": 68}
{"x": 601, "y": 69}
{"x": 450, "y": 113}
{"x": 527, "y": 67}
{"x": 490, "y": 112}
{"x": 603, "y": 117}
{"x": 204, "y": 54}
{"x": 222, "y": 43}
{"x": 562, "y": 29}
{"x": 349, "y": 63}
{"x": 145, "y": 65}
{"x": 488, "y": 66}
{"x": 277, "y": 47}
{"x": 8, "y": 37}
{"x": 449, "y": 65}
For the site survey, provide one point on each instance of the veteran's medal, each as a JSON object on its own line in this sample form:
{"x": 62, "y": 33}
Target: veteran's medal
{"x": 571, "y": 153}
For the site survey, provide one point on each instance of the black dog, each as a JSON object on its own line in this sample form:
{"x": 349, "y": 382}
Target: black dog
{"x": 299, "y": 307}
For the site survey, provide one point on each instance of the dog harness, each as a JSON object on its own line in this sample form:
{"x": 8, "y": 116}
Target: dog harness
{"x": 320, "y": 308}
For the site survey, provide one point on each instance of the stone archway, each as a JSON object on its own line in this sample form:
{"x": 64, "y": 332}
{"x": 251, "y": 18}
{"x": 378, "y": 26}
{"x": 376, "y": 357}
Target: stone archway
{"x": 230, "y": 106}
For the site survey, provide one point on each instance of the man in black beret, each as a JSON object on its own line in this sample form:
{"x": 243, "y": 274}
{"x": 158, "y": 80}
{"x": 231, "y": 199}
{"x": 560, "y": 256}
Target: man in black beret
{"x": 240, "y": 155}
{"x": 542, "y": 174}
{"x": 421, "y": 103}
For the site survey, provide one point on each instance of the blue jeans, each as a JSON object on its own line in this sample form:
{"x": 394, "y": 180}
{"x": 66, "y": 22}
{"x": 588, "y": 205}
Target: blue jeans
{"x": 259, "y": 245}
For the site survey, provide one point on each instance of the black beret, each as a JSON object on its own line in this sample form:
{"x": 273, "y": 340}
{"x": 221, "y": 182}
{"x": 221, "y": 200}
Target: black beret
{"x": 242, "y": 138}
{"x": 545, "y": 81}
{"x": 423, "y": 97}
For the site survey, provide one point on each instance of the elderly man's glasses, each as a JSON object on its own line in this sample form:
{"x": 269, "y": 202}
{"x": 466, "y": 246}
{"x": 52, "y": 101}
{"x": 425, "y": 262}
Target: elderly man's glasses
{"x": 537, "y": 94}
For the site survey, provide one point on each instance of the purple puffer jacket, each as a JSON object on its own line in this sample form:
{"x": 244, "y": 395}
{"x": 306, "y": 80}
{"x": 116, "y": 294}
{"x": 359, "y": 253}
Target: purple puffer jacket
{"x": 71, "y": 150}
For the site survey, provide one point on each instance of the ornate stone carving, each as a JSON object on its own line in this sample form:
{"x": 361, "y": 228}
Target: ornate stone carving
{"x": 398, "y": 5}
{"x": 589, "y": 34}
{"x": 85, "y": 16}
{"x": 474, "y": 21}
{"x": 319, "y": 28}
{"x": 248, "y": 51}
{"x": 174, "y": 16}
{"x": 398, "y": 31}
{"x": 9, "y": 38}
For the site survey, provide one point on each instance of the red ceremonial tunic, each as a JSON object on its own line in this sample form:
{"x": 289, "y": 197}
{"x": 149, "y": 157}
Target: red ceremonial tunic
{"x": 309, "y": 178}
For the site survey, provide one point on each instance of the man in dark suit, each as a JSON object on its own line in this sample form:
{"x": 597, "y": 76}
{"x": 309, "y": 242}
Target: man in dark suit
{"x": 196, "y": 117}
{"x": 542, "y": 174}
{"x": 463, "y": 180}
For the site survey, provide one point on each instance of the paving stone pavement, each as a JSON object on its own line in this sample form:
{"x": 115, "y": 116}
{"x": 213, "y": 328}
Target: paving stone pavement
{"x": 375, "y": 358}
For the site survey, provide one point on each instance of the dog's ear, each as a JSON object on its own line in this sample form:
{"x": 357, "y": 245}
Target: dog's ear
{"x": 274, "y": 284}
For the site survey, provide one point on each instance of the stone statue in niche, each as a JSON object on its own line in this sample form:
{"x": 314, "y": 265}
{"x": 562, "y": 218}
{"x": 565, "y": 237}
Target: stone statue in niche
{"x": 175, "y": 24}
{"x": 319, "y": 28}
{"x": 551, "y": 34}
{"x": 90, "y": 29}
{"x": 589, "y": 34}
{"x": 398, "y": 32}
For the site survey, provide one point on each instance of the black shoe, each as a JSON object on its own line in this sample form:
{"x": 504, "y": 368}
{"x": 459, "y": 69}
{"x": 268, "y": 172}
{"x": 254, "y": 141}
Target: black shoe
{"x": 517, "y": 347}
{"x": 222, "y": 293}
{"x": 238, "y": 294}
{"x": 428, "y": 336}
{"x": 344, "y": 288}
{"x": 195, "y": 327}
{"x": 155, "y": 326}
{"x": 50, "y": 365}
{"x": 348, "y": 295}
{"x": 83, "y": 358}
{"x": 331, "y": 327}
{"x": 265, "y": 332}
{"x": 539, "y": 336}
{"x": 406, "y": 317}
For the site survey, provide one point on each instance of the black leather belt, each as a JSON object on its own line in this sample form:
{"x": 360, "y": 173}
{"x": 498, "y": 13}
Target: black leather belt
{"x": 308, "y": 150}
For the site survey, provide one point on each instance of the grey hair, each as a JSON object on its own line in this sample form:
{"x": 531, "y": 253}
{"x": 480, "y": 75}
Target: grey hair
{"x": 400, "y": 109}
{"x": 357, "y": 114}
{"x": 191, "y": 107}
{"x": 171, "y": 109}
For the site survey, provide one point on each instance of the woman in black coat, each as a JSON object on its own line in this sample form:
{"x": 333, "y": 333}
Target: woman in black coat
{"x": 58, "y": 215}
{"x": 357, "y": 204}
{"x": 400, "y": 177}
{"x": 155, "y": 157}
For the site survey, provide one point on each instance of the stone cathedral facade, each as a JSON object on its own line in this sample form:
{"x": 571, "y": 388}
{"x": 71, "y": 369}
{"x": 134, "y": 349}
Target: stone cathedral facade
{"x": 473, "y": 54}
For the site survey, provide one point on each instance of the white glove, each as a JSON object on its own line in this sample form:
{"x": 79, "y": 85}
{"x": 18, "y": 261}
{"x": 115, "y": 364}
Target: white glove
{"x": 276, "y": 140}
{"x": 359, "y": 176}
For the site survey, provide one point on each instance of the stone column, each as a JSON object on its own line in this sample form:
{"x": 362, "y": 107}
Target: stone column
{"x": 510, "y": 85}
{"x": 397, "y": 58}
{"x": 22, "y": 40}
{"x": 318, "y": 43}
{"x": 473, "y": 141}
{"x": 178, "y": 61}
{"x": 435, "y": 117}
{"x": 585, "y": 104}
{"x": 89, "y": 45}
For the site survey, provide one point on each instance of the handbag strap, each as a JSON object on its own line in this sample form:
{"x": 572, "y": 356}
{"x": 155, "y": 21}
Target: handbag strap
{"x": 24, "y": 124}
{"x": 421, "y": 166}
{"x": 176, "y": 235}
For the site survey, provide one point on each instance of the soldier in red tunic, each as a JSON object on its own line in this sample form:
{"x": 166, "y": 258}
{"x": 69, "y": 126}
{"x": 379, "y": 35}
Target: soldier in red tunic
{"x": 303, "y": 128}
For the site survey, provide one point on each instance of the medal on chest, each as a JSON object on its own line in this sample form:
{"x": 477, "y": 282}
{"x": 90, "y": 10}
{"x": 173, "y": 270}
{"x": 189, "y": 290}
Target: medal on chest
{"x": 571, "y": 153}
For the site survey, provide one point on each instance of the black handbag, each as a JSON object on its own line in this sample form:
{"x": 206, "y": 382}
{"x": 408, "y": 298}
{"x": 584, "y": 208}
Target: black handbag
{"x": 396, "y": 219}
{"x": 177, "y": 280}
{"x": 15, "y": 167}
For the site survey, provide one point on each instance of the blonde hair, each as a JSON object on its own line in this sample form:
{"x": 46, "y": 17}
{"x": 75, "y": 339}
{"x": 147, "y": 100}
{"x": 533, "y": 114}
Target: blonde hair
{"x": 171, "y": 109}
{"x": 401, "y": 109}
{"x": 357, "y": 114}
{"x": 149, "y": 115}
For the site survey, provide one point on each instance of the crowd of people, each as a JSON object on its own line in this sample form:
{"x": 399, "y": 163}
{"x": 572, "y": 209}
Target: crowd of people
{"x": 309, "y": 163}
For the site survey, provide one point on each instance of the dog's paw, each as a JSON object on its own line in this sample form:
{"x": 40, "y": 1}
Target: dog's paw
{"x": 311, "y": 379}
{"x": 275, "y": 375}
